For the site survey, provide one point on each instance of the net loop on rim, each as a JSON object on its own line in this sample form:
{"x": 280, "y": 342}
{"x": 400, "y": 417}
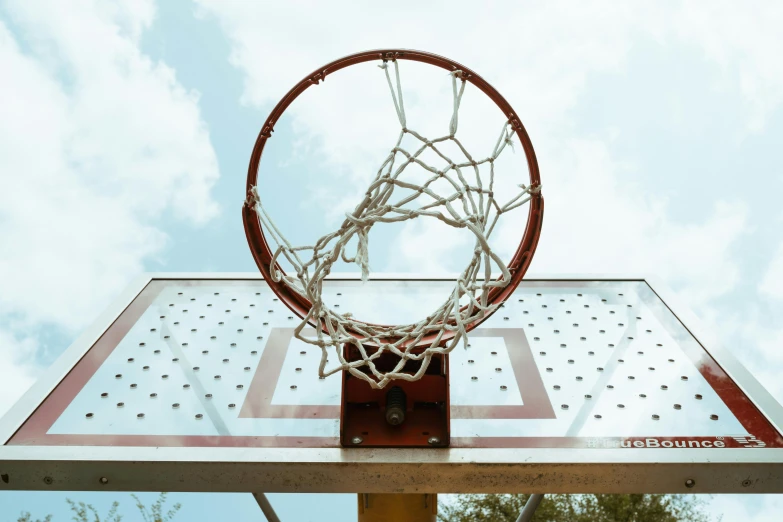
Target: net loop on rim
{"x": 469, "y": 205}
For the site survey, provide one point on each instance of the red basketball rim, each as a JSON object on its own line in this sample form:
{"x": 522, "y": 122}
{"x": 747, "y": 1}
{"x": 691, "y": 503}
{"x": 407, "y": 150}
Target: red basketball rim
{"x": 255, "y": 235}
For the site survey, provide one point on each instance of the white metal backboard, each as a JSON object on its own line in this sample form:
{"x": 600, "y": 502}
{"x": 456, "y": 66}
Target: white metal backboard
{"x": 573, "y": 377}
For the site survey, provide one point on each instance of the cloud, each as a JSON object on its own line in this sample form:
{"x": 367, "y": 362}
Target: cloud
{"x": 604, "y": 213}
{"x": 743, "y": 39}
{"x": 755, "y": 508}
{"x": 97, "y": 144}
{"x": 595, "y": 222}
{"x": 17, "y": 372}
{"x": 772, "y": 283}
{"x": 540, "y": 69}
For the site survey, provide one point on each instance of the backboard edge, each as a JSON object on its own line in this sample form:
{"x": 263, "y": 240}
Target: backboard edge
{"x": 769, "y": 407}
{"x": 52, "y": 376}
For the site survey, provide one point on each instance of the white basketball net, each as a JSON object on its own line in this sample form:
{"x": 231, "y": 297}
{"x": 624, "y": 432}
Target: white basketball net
{"x": 470, "y": 205}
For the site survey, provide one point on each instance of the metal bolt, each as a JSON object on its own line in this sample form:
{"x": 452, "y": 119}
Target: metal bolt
{"x": 690, "y": 483}
{"x": 746, "y": 483}
{"x": 357, "y": 440}
{"x": 433, "y": 441}
{"x": 48, "y": 480}
{"x": 104, "y": 480}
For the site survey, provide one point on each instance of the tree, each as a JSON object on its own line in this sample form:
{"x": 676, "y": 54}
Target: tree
{"x": 87, "y": 513}
{"x": 576, "y": 508}
{"x": 155, "y": 513}
{"x": 83, "y": 511}
{"x": 27, "y": 517}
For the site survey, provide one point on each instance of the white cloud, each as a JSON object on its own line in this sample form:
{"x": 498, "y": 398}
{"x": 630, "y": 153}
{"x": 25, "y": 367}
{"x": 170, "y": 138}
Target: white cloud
{"x": 595, "y": 222}
{"x": 744, "y": 39}
{"x": 753, "y": 508}
{"x": 17, "y": 372}
{"x": 772, "y": 283}
{"x": 539, "y": 56}
{"x": 602, "y": 214}
{"x": 97, "y": 142}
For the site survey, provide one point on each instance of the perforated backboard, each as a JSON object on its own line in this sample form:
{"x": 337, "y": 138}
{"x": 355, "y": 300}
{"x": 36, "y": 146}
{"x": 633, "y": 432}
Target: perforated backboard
{"x": 195, "y": 383}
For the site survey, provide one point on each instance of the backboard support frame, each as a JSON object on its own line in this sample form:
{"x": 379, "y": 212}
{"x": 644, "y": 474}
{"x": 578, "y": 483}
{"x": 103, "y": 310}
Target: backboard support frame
{"x": 381, "y": 470}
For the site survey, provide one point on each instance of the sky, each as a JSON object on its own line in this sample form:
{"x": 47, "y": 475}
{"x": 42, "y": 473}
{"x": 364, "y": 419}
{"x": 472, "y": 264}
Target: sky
{"x": 126, "y": 128}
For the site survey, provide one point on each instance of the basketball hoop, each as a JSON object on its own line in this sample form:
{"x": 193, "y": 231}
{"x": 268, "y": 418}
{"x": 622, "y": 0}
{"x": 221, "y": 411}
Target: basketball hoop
{"x": 441, "y": 331}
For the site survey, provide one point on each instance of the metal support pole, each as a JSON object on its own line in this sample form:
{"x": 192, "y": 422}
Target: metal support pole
{"x": 530, "y": 508}
{"x": 391, "y": 507}
{"x": 266, "y": 507}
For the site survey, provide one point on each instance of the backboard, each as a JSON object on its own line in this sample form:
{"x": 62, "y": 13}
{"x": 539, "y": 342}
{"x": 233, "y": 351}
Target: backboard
{"x": 194, "y": 382}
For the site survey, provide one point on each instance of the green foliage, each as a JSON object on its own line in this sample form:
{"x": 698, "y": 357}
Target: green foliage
{"x": 87, "y": 513}
{"x": 576, "y": 508}
{"x": 27, "y": 517}
{"x": 155, "y": 513}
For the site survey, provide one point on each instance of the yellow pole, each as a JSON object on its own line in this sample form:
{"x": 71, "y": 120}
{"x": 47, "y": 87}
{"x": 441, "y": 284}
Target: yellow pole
{"x": 385, "y": 507}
